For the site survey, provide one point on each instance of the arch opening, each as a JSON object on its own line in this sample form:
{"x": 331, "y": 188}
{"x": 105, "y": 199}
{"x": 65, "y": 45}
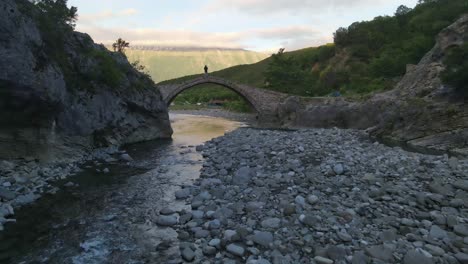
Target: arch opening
{"x": 212, "y": 95}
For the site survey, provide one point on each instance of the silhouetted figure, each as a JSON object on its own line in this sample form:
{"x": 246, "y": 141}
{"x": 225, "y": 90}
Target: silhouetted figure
{"x": 206, "y": 69}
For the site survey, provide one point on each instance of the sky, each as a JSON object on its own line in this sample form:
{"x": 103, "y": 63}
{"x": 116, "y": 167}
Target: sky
{"x": 259, "y": 25}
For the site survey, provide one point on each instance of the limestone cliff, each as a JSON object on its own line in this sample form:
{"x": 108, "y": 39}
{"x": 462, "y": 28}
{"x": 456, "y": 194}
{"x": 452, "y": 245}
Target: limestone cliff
{"x": 59, "y": 106}
{"x": 420, "y": 112}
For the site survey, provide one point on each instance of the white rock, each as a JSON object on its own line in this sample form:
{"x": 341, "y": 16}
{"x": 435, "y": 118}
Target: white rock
{"x": 338, "y": 169}
{"x": 322, "y": 260}
{"x": 126, "y": 157}
{"x": 312, "y": 199}
{"x": 235, "y": 250}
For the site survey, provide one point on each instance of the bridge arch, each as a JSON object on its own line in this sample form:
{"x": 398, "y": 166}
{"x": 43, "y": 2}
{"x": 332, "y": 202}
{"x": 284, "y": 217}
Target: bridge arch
{"x": 264, "y": 102}
{"x": 174, "y": 90}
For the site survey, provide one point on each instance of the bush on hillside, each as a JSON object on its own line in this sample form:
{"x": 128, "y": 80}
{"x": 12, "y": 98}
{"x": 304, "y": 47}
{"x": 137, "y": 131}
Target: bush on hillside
{"x": 56, "y": 22}
{"x": 456, "y": 72}
{"x": 57, "y": 13}
{"x": 238, "y": 106}
{"x": 107, "y": 71}
{"x": 294, "y": 74}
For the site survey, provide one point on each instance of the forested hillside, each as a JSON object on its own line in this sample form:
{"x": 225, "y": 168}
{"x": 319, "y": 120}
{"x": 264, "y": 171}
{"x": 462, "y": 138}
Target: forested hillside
{"x": 365, "y": 57}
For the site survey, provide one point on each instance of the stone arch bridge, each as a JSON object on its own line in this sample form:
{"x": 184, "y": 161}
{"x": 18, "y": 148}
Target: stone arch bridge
{"x": 265, "y": 102}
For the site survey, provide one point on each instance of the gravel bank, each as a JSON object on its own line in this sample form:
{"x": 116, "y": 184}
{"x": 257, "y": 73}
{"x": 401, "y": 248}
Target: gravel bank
{"x": 322, "y": 196}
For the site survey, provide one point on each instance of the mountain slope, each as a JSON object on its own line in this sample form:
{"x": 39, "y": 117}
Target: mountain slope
{"x": 420, "y": 112}
{"x": 251, "y": 74}
{"x": 164, "y": 64}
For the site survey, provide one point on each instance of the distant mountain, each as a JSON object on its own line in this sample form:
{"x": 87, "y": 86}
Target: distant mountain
{"x": 168, "y": 48}
{"x": 165, "y": 63}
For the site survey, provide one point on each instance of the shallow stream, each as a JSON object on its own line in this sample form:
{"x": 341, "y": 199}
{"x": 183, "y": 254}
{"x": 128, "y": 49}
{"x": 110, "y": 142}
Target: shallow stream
{"x": 110, "y": 218}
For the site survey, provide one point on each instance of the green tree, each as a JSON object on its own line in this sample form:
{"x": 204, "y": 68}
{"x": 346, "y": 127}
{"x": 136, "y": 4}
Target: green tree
{"x": 58, "y": 13}
{"x": 340, "y": 36}
{"x": 421, "y": 2}
{"x": 402, "y": 10}
{"x": 55, "y": 21}
{"x": 120, "y": 45}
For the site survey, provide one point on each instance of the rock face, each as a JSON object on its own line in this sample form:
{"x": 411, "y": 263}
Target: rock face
{"x": 49, "y": 111}
{"x": 420, "y": 111}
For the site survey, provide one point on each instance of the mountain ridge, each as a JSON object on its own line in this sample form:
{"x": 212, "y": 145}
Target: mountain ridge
{"x": 185, "y": 48}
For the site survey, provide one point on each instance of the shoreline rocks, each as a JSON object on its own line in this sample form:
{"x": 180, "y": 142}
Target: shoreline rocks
{"x": 24, "y": 181}
{"x": 324, "y": 196}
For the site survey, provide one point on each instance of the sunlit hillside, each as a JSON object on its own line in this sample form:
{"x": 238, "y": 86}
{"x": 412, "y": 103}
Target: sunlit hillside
{"x": 164, "y": 64}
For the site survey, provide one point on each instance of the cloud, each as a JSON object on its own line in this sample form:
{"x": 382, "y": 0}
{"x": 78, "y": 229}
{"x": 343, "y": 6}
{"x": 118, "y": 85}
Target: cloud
{"x": 177, "y": 38}
{"x": 180, "y": 34}
{"x": 284, "y": 32}
{"x": 292, "y": 37}
{"x": 129, "y": 12}
{"x": 299, "y": 43}
{"x": 106, "y": 15}
{"x": 290, "y": 6}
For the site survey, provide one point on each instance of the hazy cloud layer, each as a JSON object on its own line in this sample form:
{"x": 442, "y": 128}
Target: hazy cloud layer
{"x": 284, "y": 33}
{"x": 290, "y": 36}
{"x": 251, "y": 24}
{"x": 163, "y": 37}
{"x": 106, "y": 15}
{"x": 289, "y": 6}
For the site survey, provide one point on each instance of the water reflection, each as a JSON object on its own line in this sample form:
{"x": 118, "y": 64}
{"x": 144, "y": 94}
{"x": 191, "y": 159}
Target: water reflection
{"x": 190, "y": 129}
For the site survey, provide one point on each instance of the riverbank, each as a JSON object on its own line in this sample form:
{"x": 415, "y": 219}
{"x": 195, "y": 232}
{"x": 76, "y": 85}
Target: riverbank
{"x": 248, "y": 118}
{"x": 323, "y": 196}
{"x": 24, "y": 181}
{"x": 107, "y": 212}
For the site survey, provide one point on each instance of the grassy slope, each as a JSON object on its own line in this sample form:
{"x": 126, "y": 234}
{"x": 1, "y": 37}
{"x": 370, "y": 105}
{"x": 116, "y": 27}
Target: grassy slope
{"x": 250, "y": 74}
{"x": 166, "y": 65}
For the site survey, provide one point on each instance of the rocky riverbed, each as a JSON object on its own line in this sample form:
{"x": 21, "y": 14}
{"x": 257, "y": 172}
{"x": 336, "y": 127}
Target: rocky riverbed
{"x": 108, "y": 211}
{"x": 23, "y": 181}
{"x": 321, "y": 196}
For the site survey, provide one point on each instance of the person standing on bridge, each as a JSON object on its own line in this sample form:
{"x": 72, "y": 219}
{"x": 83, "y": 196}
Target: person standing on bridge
{"x": 206, "y": 70}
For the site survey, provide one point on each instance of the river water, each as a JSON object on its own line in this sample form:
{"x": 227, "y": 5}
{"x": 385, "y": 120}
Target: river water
{"x": 110, "y": 218}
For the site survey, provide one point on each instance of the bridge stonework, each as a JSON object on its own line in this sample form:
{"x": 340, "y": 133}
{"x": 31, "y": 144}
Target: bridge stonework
{"x": 265, "y": 102}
